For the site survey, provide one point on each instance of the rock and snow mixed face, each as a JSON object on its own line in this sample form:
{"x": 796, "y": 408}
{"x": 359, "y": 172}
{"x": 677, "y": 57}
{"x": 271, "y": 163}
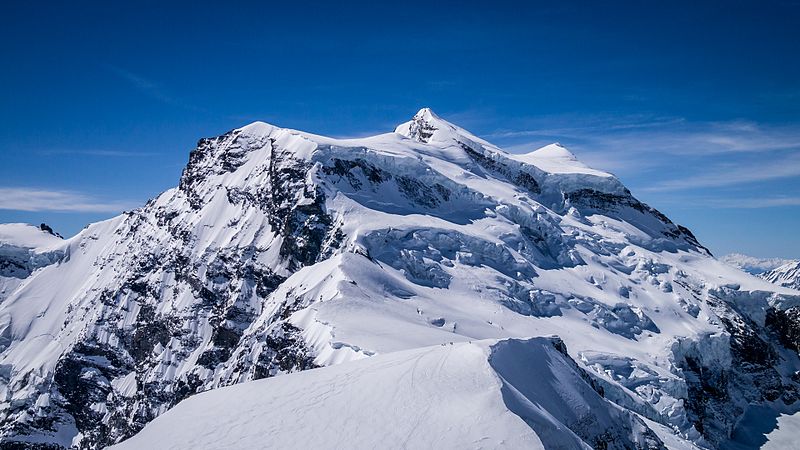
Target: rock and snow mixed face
{"x": 786, "y": 275}
{"x": 282, "y": 251}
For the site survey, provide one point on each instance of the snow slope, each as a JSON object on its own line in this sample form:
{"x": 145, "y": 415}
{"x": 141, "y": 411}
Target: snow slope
{"x": 282, "y": 251}
{"x": 484, "y": 394}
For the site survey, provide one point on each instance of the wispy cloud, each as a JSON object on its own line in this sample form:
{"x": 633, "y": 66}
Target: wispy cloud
{"x": 554, "y": 126}
{"x": 670, "y": 154}
{"x": 151, "y": 88}
{"x": 754, "y": 203}
{"x": 33, "y": 199}
{"x": 674, "y": 136}
{"x": 728, "y": 202}
{"x": 100, "y": 153}
{"x": 730, "y": 174}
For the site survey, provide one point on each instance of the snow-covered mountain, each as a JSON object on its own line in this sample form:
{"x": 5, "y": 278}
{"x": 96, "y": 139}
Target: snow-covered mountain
{"x": 433, "y": 254}
{"x": 787, "y": 275}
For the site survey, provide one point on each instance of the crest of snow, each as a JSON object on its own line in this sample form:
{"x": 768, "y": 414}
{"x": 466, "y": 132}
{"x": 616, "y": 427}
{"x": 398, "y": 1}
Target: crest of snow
{"x": 483, "y": 394}
{"x": 24, "y": 235}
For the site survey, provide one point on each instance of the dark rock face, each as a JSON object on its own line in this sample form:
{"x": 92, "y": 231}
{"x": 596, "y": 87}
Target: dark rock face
{"x": 227, "y": 285}
{"x": 497, "y": 166}
{"x": 346, "y": 168}
{"x": 421, "y": 130}
{"x": 83, "y": 375}
{"x": 422, "y": 194}
{"x": 46, "y": 228}
{"x": 786, "y": 325}
{"x": 357, "y": 171}
{"x": 304, "y": 227}
{"x": 717, "y": 395}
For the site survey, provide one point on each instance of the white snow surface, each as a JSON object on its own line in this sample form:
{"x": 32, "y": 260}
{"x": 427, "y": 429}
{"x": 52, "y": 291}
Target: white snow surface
{"x": 784, "y": 436}
{"x": 555, "y": 158}
{"x": 432, "y": 236}
{"x": 27, "y": 236}
{"x": 483, "y": 394}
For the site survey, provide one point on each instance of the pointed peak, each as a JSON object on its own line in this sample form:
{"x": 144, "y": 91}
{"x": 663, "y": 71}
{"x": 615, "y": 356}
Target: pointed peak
{"x": 423, "y": 125}
{"x": 426, "y": 114}
{"x": 428, "y": 128}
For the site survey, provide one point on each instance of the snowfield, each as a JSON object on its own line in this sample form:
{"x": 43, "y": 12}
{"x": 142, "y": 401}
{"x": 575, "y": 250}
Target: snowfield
{"x": 400, "y": 290}
{"x": 484, "y": 394}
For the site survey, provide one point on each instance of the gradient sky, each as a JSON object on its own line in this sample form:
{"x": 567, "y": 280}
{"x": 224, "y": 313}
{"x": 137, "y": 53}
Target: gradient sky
{"x": 696, "y": 106}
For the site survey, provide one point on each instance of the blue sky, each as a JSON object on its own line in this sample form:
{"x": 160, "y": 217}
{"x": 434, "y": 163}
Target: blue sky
{"x": 695, "y": 105}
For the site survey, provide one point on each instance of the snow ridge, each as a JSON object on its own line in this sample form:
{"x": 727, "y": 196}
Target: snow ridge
{"x": 444, "y": 387}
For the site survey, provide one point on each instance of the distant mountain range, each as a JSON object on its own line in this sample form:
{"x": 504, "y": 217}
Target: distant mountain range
{"x": 752, "y": 264}
{"x": 787, "y": 275}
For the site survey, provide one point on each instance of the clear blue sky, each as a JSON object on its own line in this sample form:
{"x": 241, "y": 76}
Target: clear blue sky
{"x": 696, "y": 105}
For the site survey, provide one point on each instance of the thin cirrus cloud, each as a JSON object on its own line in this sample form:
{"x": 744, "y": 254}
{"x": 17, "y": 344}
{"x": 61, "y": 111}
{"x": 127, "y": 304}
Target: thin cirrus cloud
{"x": 731, "y": 174}
{"x": 151, "y": 88}
{"x": 671, "y": 154}
{"x": 754, "y": 203}
{"x": 673, "y": 136}
{"x": 33, "y": 199}
{"x": 718, "y": 202}
{"x": 101, "y": 153}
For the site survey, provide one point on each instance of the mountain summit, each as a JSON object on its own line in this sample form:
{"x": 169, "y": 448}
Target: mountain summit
{"x": 450, "y": 266}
